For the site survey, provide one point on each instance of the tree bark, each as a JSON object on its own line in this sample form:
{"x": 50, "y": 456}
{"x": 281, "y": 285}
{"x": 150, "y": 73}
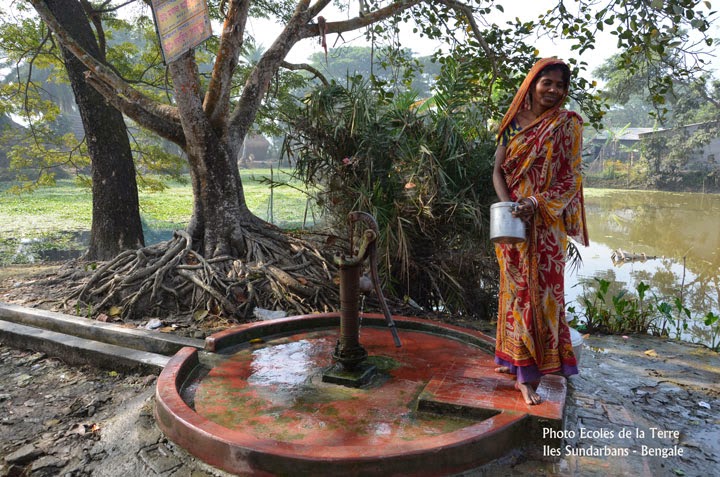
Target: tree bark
{"x": 220, "y": 213}
{"x": 116, "y": 224}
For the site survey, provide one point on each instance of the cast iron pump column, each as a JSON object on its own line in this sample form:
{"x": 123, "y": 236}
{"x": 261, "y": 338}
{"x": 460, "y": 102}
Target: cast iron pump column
{"x": 348, "y": 350}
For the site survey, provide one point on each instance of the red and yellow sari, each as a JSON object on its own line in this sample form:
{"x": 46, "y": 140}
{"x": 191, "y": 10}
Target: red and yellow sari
{"x": 542, "y": 160}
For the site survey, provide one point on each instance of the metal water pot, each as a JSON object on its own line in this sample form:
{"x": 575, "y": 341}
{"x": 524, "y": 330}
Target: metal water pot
{"x": 504, "y": 228}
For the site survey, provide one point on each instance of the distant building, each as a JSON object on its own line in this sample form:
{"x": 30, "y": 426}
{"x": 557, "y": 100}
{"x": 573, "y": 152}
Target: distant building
{"x": 255, "y": 150}
{"x": 704, "y": 156}
{"x": 625, "y": 145}
{"x": 613, "y": 144}
{"x": 617, "y": 144}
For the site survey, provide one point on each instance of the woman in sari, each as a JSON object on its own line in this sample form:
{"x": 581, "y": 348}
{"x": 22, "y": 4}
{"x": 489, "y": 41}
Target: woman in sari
{"x": 537, "y": 165}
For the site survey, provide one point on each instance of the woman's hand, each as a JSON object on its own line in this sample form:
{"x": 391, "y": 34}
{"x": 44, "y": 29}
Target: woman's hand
{"x": 525, "y": 209}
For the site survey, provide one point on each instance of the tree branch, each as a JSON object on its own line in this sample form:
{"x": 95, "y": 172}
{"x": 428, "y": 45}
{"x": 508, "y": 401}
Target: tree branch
{"x": 314, "y": 9}
{"x": 311, "y": 30}
{"x": 169, "y": 130}
{"x": 299, "y": 26}
{"x": 105, "y": 9}
{"x": 94, "y": 17}
{"x": 467, "y": 12}
{"x": 217, "y": 99}
{"x": 101, "y": 73}
{"x": 304, "y": 66}
{"x": 258, "y": 82}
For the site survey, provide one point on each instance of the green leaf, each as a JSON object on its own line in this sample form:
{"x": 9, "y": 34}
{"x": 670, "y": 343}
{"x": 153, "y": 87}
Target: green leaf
{"x": 711, "y": 319}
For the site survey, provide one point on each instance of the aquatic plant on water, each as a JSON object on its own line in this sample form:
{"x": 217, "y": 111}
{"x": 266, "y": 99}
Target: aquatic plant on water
{"x": 623, "y": 312}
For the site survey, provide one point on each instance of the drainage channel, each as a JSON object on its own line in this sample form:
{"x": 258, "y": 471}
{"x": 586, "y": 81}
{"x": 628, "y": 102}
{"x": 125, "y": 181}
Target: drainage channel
{"x": 78, "y": 340}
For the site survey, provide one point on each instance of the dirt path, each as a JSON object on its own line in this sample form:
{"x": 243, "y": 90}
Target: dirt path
{"x": 54, "y": 416}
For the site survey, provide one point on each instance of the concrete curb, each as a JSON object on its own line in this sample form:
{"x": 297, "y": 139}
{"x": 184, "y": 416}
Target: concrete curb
{"x": 74, "y": 350}
{"x": 78, "y": 340}
{"x": 139, "y": 339}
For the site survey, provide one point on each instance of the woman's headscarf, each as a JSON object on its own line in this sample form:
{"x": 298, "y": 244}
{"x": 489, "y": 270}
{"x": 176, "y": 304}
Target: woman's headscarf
{"x": 521, "y": 98}
{"x": 574, "y": 213}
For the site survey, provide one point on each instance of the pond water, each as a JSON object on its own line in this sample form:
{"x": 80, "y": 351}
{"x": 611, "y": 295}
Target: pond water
{"x": 679, "y": 235}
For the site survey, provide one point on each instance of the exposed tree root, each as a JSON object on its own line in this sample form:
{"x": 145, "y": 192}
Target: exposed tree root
{"x": 171, "y": 277}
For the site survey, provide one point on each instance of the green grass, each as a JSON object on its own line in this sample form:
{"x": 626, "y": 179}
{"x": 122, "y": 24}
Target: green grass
{"x": 65, "y": 207}
{"x": 59, "y": 217}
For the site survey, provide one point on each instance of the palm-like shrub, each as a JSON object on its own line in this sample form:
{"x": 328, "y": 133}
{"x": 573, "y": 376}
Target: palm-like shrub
{"x": 422, "y": 168}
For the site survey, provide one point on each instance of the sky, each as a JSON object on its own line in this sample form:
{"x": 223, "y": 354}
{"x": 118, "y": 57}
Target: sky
{"x": 605, "y": 47}
{"x": 265, "y": 31}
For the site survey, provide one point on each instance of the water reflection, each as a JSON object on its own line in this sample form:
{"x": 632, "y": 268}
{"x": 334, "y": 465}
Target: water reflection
{"x": 679, "y": 229}
{"x": 287, "y": 364}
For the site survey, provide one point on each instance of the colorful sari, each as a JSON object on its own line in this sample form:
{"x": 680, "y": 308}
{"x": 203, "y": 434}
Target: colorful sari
{"x": 542, "y": 160}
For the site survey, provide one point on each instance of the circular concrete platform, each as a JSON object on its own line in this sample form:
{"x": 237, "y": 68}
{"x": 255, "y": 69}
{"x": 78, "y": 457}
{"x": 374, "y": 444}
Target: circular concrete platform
{"x": 257, "y": 404}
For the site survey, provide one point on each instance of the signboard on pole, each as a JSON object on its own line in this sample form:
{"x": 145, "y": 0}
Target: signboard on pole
{"x": 181, "y": 25}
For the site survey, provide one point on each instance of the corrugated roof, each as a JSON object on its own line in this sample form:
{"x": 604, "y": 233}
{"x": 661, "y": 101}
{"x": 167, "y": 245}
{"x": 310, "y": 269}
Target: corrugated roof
{"x": 624, "y": 134}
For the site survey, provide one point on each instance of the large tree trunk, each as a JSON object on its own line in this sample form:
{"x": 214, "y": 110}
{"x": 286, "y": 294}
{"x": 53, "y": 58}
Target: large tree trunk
{"x": 221, "y": 221}
{"x": 116, "y": 222}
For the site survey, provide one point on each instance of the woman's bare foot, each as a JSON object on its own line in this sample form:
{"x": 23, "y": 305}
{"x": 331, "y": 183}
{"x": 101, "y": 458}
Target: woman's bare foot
{"x": 528, "y": 392}
{"x": 502, "y": 369}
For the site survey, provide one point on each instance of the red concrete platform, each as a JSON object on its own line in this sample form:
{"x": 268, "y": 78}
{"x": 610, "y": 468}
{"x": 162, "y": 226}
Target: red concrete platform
{"x": 261, "y": 408}
{"x": 474, "y": 389}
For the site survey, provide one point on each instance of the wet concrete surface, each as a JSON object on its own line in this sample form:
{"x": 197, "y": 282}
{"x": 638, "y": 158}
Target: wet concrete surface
{"x": 641, "y": 406}
{"x": 435, "y": 404}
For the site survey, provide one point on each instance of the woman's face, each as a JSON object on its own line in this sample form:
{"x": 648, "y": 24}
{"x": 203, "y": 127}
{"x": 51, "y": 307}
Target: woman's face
{"x": 549, "y": 90}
